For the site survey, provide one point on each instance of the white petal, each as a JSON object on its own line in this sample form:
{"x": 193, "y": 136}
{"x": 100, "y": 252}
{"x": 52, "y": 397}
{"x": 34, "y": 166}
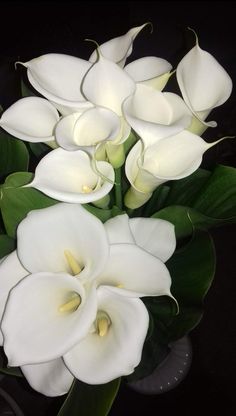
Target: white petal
{"x": 118, "y": 49}
{"x": 118, "y": 230}
{"x": 143, "y": 182}
{"x": 69, "y": 177}
{"x": 64, "y": 131}
{"x": 98, "y": 360}
{"x": 149, "y": 70}
{"x": 107, "y": 85}
{"x": 134, "y": 272}
{"x": 175, "y": 157}
{"x": 11, "y": 272}
{"x": 58, "y": 78}
{"x": 34, "y": 329}
{"x": 155, "y": 236}
{"x": 155, "y": 115}
{"x": 51, "y": 378}
{"x": 203, "y": 82}
{"x": 32, "y": 119}
{"x": 59, "y": 228}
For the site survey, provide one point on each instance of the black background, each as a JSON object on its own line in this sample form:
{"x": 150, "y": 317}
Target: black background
{"x": 28, "y": 30}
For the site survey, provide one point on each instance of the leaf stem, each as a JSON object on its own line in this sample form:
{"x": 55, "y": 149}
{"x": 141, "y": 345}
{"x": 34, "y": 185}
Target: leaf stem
{"x": 118, "y": 189}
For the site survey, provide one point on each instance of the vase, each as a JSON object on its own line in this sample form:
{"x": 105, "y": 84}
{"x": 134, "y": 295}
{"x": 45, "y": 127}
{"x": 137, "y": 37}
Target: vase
{"x": 169, "y": 374}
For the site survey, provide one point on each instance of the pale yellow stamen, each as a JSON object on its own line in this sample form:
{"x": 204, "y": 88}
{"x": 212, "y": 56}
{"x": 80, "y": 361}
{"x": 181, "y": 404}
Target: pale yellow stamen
{"x": 71, "y": 305}
{"x": 103, "y": 325}
{"x": 120, "y": 286}
{"x": 86, "y": 189}
{"x": 72, "y": 262}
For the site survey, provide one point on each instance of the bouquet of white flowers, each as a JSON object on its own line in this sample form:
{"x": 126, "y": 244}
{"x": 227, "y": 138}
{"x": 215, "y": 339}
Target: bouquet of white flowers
{"x": 92, "y": 286}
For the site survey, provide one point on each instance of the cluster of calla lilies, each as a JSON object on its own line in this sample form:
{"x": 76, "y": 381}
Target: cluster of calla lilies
{"x": 70, "y": 296}
{"x": 91, "y": 106}
{"x": 70, "y": 307}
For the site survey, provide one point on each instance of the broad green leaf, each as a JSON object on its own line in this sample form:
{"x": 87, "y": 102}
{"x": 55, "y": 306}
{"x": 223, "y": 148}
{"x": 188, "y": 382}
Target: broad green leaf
{"x": 86, "y": 400}
{"x": 16, "y": 201}
{"x": 14, "y": 155}
{"x": 184, "y": 191}
{"x": 217, "y": 197}
{"x": 157, "y": 201}
{"x": 103, "y": 214}
{"x": 7, "y": 245}
{"x": 39, "y": 149}
{"x": 192, "y": 269}
{"x": 186, "y": 219}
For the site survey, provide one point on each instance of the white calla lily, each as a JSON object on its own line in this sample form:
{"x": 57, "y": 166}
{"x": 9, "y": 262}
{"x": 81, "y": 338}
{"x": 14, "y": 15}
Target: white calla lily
{"x": 154, "y": 235}
{"x": 203, "y": 82}
{"x": 107, "y": 85}
{"x": 86, "y": 130}
{"x": 70, "y": 177}
{"x": 120, "y": 48}
{"x": 54, "y": 306}
{"x": 138, "y": 274}
{"x": 46, "y": 309}
{"x": 150, "y": 70}
{"x": 51, "y": 379}
{"x": 32, "y": 119}
{"x": 171, "y": 158}
{"x": 155, "y": 115}
{"x": 114, "y": 345}
{"x": 58, "y": 78}
{"x": 12, "y": 272}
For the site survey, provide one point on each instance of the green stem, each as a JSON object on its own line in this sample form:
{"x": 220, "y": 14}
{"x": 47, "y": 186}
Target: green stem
{"x": 118, "y": 189}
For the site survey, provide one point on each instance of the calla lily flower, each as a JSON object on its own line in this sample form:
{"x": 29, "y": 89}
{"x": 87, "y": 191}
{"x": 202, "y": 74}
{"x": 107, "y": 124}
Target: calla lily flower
{"x": 58, "y": 78}
{"x": 32, "y": 119}
{"x": 53, "y": 280}
{"x": 107, "y": 85}
{"x": 204, "y": 85}
{"x": 171, "y": 158}
{"x": 114, "y": 344}
{"x": 155, "y": 115}
{"x": 156, "y": 236}
{"x": 150, "y": 70}
{"x": 120, "y": 48}
{"x": 86, "y": 130}
{"x": 70, "y": 177}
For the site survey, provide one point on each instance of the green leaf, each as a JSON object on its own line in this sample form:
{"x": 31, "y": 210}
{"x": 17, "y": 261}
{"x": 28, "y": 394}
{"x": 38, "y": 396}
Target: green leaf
{"x": 186, "y": 219}
{"x": 7, "y": 245}
{"x": 218, "y": 196}
{"x": 14, "y": 155}
{"x": 86, "y": 400}
{"x": 192, "y": 269}
{"x": 25, "y": 90}
{"x": 103, "y": 214}
{"x": 184, "y": 191}
{"x": 16, "y": 201}
{"x": 39, "y": 149}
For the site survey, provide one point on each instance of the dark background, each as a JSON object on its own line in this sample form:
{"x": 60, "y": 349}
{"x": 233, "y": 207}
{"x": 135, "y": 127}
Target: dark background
{"x": 28, "y": 30}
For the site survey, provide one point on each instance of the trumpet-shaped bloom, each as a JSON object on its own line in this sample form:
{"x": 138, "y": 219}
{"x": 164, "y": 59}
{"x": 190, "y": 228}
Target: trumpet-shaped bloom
{"x": 120, "y": 48}
{"x": 150, "y": 70}
{"x": 203, "y": 82}
{"x": 53, "y": 294}
{"x": 171, "y": 158}
{"x": 155, "y": 115}
{"x": 58, "y": 78}
{"x": 88, "y": 129}
{"x": 70, "y": 177}
{"x": 114, "y": 344}
{"x": 107, "y": 85}
{"x": 32, "y": 119}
